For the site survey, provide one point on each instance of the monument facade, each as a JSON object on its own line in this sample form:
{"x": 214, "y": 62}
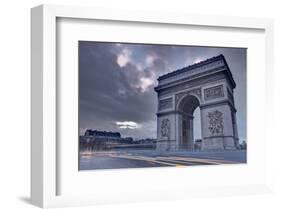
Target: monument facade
{"x": 208, "y": 85}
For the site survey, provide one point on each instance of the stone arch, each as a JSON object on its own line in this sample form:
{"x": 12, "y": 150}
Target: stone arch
{"x": 185, "y": 110}
{"x": 190, "y": 97}
{"x": 209, "y": 85}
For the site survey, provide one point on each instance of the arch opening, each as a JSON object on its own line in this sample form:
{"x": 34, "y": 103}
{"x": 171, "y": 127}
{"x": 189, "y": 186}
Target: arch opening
{"x": 189, "y": 114}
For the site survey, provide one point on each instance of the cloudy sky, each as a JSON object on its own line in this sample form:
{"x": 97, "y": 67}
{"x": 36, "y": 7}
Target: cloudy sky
{"x": 117, "y": 80}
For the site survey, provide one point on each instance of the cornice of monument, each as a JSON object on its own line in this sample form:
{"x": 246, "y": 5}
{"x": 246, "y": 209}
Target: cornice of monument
{"x": 196, "y": 77}
{"x": 198, "y": 65}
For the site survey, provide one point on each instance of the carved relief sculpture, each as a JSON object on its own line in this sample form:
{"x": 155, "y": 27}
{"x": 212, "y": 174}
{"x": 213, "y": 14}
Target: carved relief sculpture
{"x": 216, "y": 122}
{"x": 166, "y": 103}
{"x": 213, "y": 92}
{"x": 165, "y": 128}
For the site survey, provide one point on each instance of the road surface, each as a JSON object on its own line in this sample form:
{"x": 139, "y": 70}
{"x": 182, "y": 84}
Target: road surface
{"x": 150, "y": 158}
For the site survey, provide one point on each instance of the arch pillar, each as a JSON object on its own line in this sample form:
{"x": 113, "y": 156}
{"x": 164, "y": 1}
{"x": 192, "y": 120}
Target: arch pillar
{"x": 218, "y": 128}
{"x": 167, "y": 131}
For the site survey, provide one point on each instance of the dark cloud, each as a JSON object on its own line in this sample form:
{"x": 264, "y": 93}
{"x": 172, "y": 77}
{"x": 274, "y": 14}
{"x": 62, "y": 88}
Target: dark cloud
{"x": 116, "y": 82}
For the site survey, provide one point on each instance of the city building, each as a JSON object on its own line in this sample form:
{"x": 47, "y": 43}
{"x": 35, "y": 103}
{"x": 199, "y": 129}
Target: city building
{"x": 102, "y": 134}
{"x": 102, "y": 140}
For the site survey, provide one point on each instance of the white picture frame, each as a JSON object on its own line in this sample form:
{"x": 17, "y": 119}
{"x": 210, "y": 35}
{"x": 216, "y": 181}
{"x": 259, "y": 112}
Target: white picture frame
{"x": 44, "y": 149}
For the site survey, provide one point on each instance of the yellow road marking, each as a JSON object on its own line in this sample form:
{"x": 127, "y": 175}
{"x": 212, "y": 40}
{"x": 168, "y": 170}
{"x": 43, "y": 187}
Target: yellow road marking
{"x": 176, "y": 161}
{"x": 203, "y": 160}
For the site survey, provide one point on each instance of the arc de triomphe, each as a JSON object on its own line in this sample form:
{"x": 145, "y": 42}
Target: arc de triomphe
{"x": 208, "y": 85}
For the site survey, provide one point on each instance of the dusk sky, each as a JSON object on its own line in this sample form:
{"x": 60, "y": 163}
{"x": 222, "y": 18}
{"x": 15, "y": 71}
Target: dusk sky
{"x": 116, "y": 84}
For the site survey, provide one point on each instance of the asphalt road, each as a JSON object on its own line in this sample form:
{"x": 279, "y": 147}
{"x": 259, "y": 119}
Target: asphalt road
{"x": 152, "y": 158}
